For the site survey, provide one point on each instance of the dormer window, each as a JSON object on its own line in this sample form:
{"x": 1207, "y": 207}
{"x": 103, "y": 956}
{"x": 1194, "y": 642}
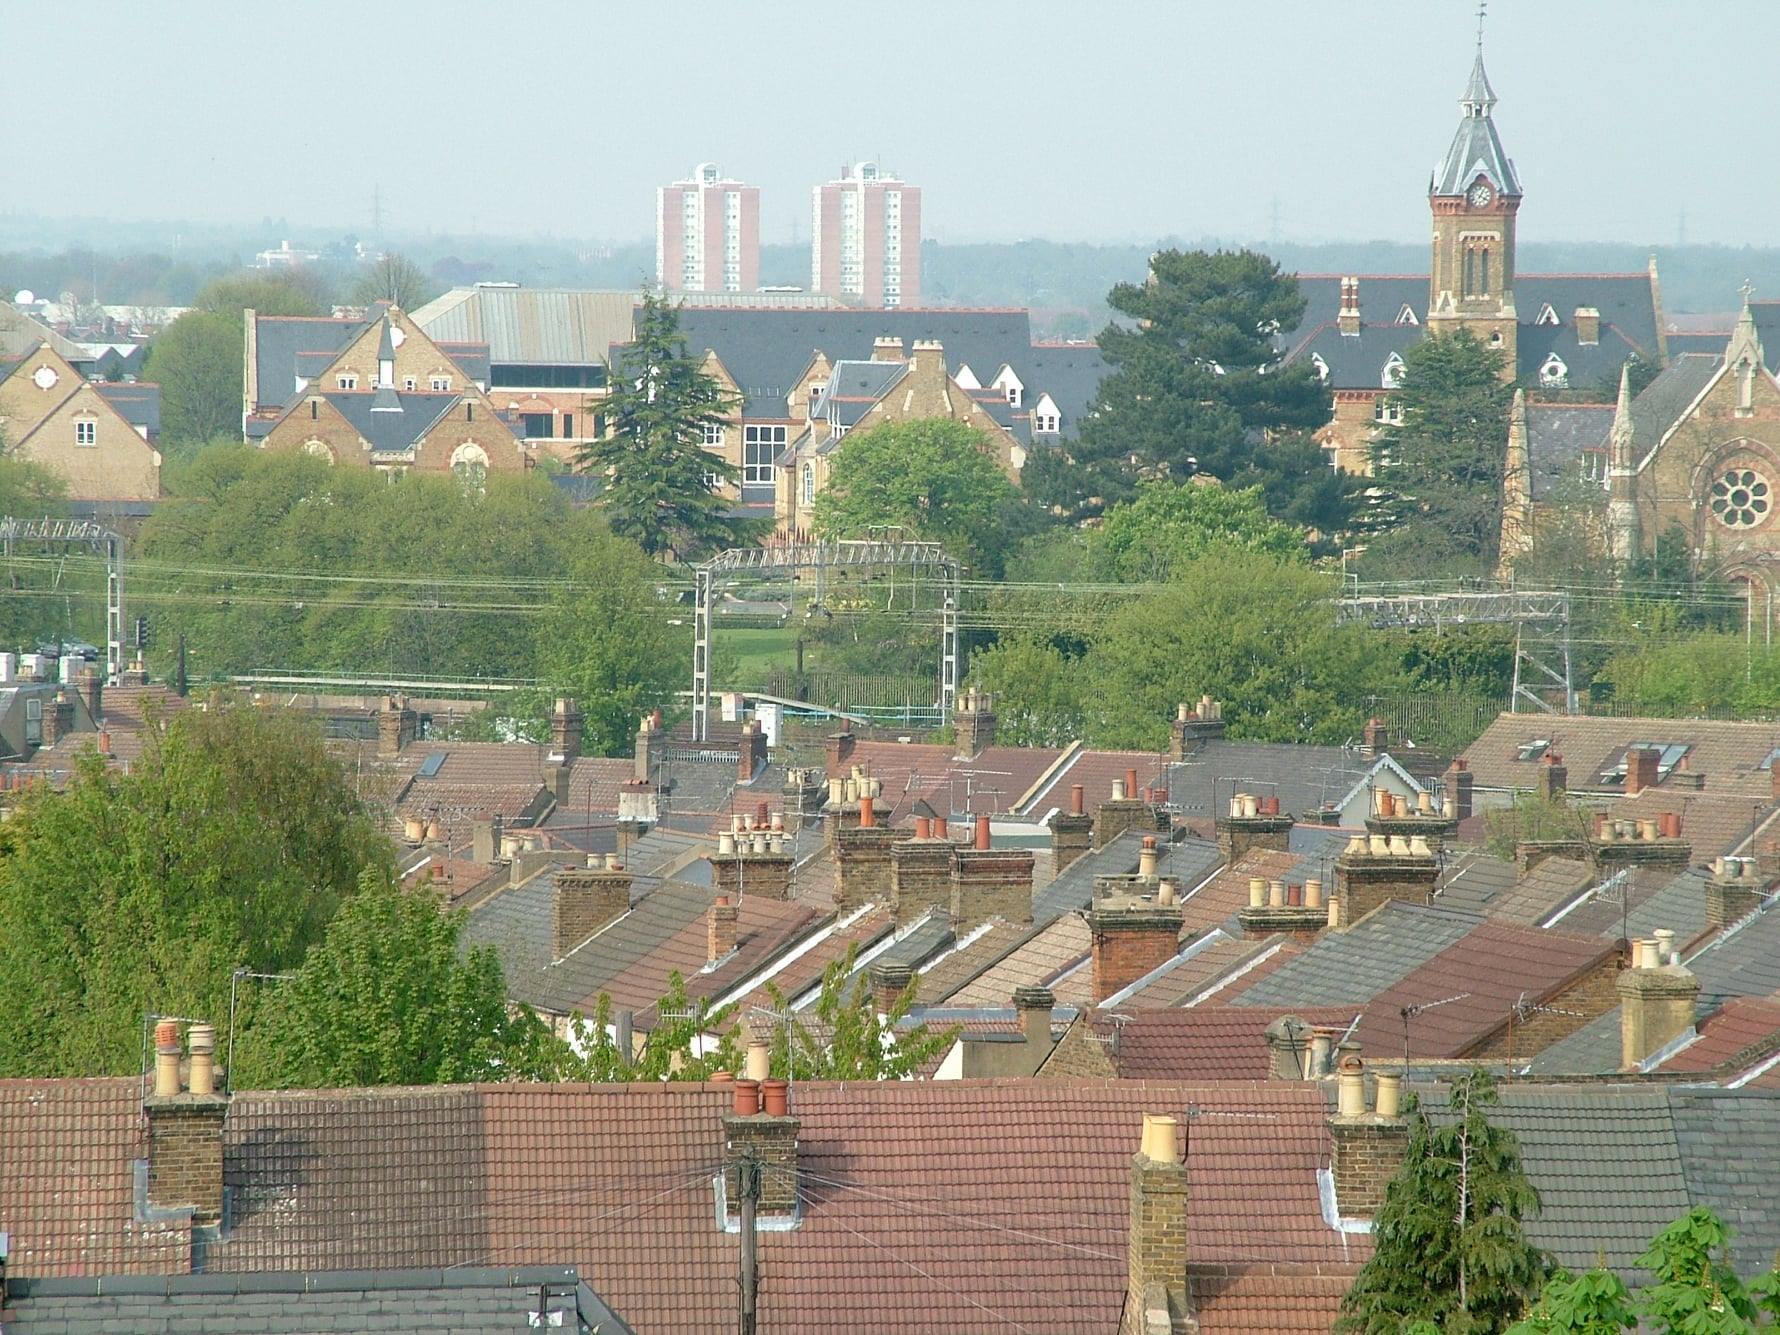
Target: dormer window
{"x": 1013, "y": 395}
{"x": 1547, "y": 315}
{"x": 1392, "y": 376}
{"x": 1553, "y": 374}
{"x": 1407, "y": 315}
{"x": 349, "y": 381}
{"x": 1534, "y": 749}
{"x": 1322, "y": 367}
{"x": 1613, "y": 772}
{"x": 1046, "y": 424}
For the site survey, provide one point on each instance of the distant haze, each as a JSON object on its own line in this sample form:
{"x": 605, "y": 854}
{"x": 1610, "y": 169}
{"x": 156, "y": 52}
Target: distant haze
{"x": 1070, "y": 119}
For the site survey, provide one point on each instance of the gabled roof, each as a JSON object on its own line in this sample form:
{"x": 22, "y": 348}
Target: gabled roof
{"x": 137, "y": 402}
{"x": 390, "y": 427}
{"x": 1557, "y": 436}
{"x": 1206, "y": 1043}
{"x": 281, "y": 341}
{"x": 530, "y": 326}
{"x": 1358, "y": 962}
{"x": 1728, "y": 755}
{"x": 1672, "y": 393}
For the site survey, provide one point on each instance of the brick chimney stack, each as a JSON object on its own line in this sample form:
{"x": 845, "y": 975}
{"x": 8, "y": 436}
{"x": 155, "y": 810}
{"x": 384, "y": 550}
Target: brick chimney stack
{"x": 397, "y": 725}
{"x": 888, "y": 984}
{"x": 974, "y": 723}
{"x": 565, "y": 731}
{"x": 862, "y": 856}
{"x": 721, "y": 921}
{"x": 805, "y": 789}
{"x": 586, "y": 899}
{"x": 58, "y": 717}
{"x": 1195, "y": 725}
{"x": 185, "y": 1126}
{"x": 1657, "y": 995}
{"x": 1553, "y": 779}
{"x": 1156, "y": 1268}
{"x": 1375, "y": 737}
{"x": 1588, "y": 326}
{"x": 885, "y": 348}
{"x": 92, "y": 690}
{"x": 753, "y": 857}
{"x": 989, "y": 882}
{"x": 1072, "y": 831}
{"x": 752, "y": 761}
{"x": 1252, "y": 820}
{"x": 1734, "y": 891}
{"x": 1374, "y": 869}
{"x": 920, "y": 873}
{"x": 1367, "y": 1144}
{"x": 1460, "y": 782}
{"x": 1129, "y": 935}
{"x": 1643, "y": 767}
{"x": 840, "y": 749}
{"x": 1347, "y": 318}
{"x": 760, "y": 1132}
{"x": 1125, "y": 809}
{"x": 651, "y": 744}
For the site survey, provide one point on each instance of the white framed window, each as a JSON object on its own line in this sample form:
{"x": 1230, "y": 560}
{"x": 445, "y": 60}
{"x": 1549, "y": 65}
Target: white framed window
{"x": 1320, "y": 366}
{"x": 816, "y": 392}
{"x": 1013, "y": 395}
{"x": 347, "y": 381}
{"x": 713, "y": 482}
{"x": 409, "y": 383}
{"x": 713, "y": 435}
{"x": 86, "y": 431}
{"x": 1594, "y": 465}
{"x": 1554, "y": 373}
{"x": 1387, "y": 411}
{"x": 1046, "y": 423}
{"x": 760, "y": 446}
{"x": 809, "y": 484}
{"x": 440, "y": 384}
{"x": 1393, "y": 372}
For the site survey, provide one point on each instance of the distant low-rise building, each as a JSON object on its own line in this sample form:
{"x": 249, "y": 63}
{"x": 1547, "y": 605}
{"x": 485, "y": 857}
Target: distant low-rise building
{"x": 98, "y": 438}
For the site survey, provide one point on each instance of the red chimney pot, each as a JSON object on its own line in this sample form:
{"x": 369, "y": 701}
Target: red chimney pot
{"x": 775, "y": 1098}
{"x": 1130, "y": 783}
{"x": 747, "y": 1098}
{"x": 923, "y": 828}
{"x": 867, "y": 816}
{"x": 1075, "y": 799}
{"x": 982, "y": 832}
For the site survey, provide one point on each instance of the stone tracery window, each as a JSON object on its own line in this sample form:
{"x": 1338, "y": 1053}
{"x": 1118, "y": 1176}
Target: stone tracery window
{"x": 1741, "y": 498}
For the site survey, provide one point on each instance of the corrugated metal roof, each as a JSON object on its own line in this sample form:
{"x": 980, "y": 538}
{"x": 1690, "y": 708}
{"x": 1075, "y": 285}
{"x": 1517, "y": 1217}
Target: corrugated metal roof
{"x": 532, "y": 326}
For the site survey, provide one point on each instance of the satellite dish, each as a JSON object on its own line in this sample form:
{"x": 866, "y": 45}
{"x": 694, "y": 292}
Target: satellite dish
{"x": 25, "y": 297}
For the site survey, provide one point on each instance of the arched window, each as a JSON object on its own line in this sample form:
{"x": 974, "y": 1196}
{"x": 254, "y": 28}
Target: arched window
{"x": 809, "y": 484}
{"x": 1322, "y": 367}
{"x": 1553, "y": 373}
{"x": 318, "y": 449}
{"x": 469, "y": 464}
{"x": 1393, "y": 372}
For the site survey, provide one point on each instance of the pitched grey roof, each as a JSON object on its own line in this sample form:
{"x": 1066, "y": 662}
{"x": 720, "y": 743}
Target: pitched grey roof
{"x": 1587, "y": 366}
{"x": 1303, "y": 777}
{"x": 464, "y": 1301}
{"x": 855, "y": 387}
{"x": 1476, "y": 149}
{"x": 1730, "y": 1151}
{"x": 530, "y": 326}
{"x": 1355, "y": 965}
{"x": 1474, "y": 881}
{"x": 1070, "y": 373}
{"x": 1606, "y": 1163}
{"x": 915, "y": 944}
{"x": 139, "y": 404}
{"x": 392, "y": 421}
{"x": 1358, "y": 361}
{"x": 281, "y": 340}
{"x": 766, "y": 350}
{"x": 1668, "y": 396}
{"x": 517, "y": 923}
{"x": 1743, "y": 962}
{"x": 1557, "y": 436}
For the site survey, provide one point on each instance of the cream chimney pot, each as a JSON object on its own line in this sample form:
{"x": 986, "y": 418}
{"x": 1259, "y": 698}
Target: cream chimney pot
{"x": 1389, "y": 1099}
{"x": 1350, "y": 1089}
{"x": 1257, "y": 891}
{"x": 1118, "y": 790}
{"x": 758, "y": 1065}
{"x": 202, "y": 1040}
{"x": 1276, "y": 894}
{"x": 1313, "y": 893}
{"x": 1159, "y": 1145}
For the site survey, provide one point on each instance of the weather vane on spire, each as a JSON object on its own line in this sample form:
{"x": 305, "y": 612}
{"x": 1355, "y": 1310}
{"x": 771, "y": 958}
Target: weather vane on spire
{"x": 1482, "y": 6}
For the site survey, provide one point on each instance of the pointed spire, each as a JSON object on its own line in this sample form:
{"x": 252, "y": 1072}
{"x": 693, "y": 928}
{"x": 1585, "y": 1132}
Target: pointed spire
{"x": 1619, "y": 437}
{"x": 386, "y": 344}
{"x": 1745, "y": 345}
{"x": 1479, "y": 97}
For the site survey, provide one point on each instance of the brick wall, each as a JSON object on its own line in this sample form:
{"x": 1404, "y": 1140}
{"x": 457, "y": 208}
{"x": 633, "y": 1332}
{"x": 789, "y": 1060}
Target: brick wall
{"x": 1114, "y": 817}
{"x": 765, "y": 875}
{"x": 1588, "y": 998}
{"x": 862, "y": 860}
{"x": 1363, "y": 883}
{"x": 1127, "y": 943}
{"x": 1071, "y": 836}
{"x": 1157, "y": 1243}
{"x": 774, "y": 1142}
{"x": 1730, "y": 901}
{"x": 1366, "y": 1154}
{"x": 1238, "y": 834}
{"x": 185, "y": 1153}
{"x": 990, "y": 883}
{"x": 920, "y": 877}
{"x": 1078, "y": 1053}
{"x": 585, "y": 900}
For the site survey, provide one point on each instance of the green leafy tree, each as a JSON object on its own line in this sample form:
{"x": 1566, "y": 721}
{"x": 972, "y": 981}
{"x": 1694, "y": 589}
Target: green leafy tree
{"x": 1169, "y": 524}
{"x": 1258, "y": 632}
{"x": 658, "y": 490}
{"x": 1697, "y": 1292}
{"x": 1195, "y": 382}
{"x": 1443, "y": 462}
{"x": 1592, "y": 1303}
{"x": 196, "y": 360}
{"x": 843, "y": 1036}
{"x": 230, "y": 842}
{"x": 394, "y": 279}
{"x": 388, "y": 997}
{"x": 935, "y": 477}
{"x": 691, "y": 1040}
{"x": 1039, "y": 692}
{"x": 1449, "y": 1245}
{"x": 1531, "y": 819}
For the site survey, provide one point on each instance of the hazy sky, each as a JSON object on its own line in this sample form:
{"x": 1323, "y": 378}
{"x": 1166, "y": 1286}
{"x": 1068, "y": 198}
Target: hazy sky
{"x": 1069, "y": 119}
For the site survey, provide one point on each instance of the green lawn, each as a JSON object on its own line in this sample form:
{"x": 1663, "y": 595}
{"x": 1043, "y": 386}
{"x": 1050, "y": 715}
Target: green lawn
{"x": 743, "y": 657}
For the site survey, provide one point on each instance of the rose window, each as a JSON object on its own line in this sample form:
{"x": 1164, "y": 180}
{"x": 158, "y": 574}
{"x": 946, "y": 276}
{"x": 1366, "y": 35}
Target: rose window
{"x": 1740, "y": 499}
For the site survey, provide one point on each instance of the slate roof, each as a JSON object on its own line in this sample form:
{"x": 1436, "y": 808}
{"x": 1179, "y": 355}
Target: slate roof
{"x": 1474, "y": 881}
{"x": 1205, "y": 1043}
{"x": 1360, "y": 961}
{"x": 854, "y": 387}
{"x": 1543, "y": 891}
{"x": 1586, "y": 366}
{"x": 463, "y": 1301}
{"x": 1302, "y": 777}
{"x": 990, "y": 782}
{"x": 1094, "y": 770}
{"x": 1557, "y": 436}
{"x": 1730, "y": 1144}
{"x": 1480, "y": 978}
{"x": 391, "y": 430}
{"x": 517, "y": 923}
{"x": 1476, "y": 149}
{"x": 530, "y": 326}
{"x": 912, "y": 945}
{"x": 281, "y": 340}
{"x": 1728, "y": 755}
{"x": 1664, "y": 399}
{"x": 137, "y": 402}
{"x": 1210, "y": 968}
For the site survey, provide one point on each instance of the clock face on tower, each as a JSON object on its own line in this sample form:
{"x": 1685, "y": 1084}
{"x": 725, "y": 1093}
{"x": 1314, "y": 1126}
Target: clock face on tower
{"x": 1480, "y": 195}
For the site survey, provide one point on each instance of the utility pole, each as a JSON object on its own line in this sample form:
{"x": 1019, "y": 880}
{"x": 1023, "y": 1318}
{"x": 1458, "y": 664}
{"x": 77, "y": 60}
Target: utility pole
{"x": 748, "y": 1193}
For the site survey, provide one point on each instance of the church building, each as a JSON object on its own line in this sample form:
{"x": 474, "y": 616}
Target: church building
{"x": 1556, "y": 331}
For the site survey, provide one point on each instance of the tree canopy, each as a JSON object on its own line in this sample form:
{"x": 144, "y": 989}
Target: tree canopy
{"x": 1443, "y": 462}
{"x": 660, "y": 482}
{"x": 1168, "y": 524}
{"x": 1449, "y": 1245}
{"x": 843, "y": 1036}
{"x": 1196, "y": 385}
{"x": 229, "y": 843}
{"x": 394, "y": 279}
{"x": 387, "y": 997}
{"x": 936, "y": 477}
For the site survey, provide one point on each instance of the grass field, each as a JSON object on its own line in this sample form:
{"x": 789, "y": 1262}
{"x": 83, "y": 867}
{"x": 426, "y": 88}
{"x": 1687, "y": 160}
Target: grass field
{"x": 743, "y": 657}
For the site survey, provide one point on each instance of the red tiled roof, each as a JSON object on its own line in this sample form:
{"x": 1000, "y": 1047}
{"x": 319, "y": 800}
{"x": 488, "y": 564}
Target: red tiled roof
{"x": 763, "y": 928}
{"x": 1486, "y": 973}
{"x": 1205, "y": 1043}
{"x": 1742, "y": 1032}
{"x": 1095, "y": 771}
{"x": 991, "y": 782}
{"x": 804, "y": 972}
{"x": 67, "y": 1189}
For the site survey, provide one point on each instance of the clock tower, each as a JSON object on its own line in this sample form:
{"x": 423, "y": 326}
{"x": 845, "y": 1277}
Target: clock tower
{"x": 1474, "y": 196}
